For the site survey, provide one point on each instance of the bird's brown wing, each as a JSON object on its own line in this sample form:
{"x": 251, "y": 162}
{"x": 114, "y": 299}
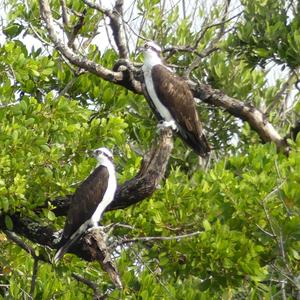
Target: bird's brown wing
{"x": 85, "y": 200}
{"x": 176, "y": 95}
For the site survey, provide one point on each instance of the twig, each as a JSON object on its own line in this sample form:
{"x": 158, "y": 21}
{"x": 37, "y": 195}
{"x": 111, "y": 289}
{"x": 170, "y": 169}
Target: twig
{"x": 13, "y": 237}
{"x": 221, "y": 23}
{"x": 212, "y": 46}
{"x": 286, "y": 276}
{"x": 64, "y": 13}
{"x": 289, "y": 82}
{"x": 93, "y": 34}
{"x": 143, "y": 263}
{"x": 38, "y": 36}
{"x": 263, "y": 203}
{"x": 33, "y": 278}
{"x": 280, "y": 196}
{"x": 76, "y": 30}
{"x": 266, "y": 232}
{"x": 195, "y": 46}
{"x": 69, "y": 85}
{"x": 277, "y": 236}
{"x": 154, "y": 238}
{"x": 109, "y": 228}
{"x": 90, "y": 284}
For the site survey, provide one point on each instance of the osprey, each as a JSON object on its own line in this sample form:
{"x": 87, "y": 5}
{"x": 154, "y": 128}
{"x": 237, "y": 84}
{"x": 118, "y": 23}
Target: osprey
{"x": 89, "y": 201}
{"x": 172, "y": 101}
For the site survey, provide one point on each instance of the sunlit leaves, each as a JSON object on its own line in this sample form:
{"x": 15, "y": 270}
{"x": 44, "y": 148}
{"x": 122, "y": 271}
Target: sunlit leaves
{"x": 271, "y": 35}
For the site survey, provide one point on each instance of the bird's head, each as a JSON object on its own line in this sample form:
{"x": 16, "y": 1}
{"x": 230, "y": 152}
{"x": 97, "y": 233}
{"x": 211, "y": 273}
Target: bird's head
{"x": 102, "y": 153}
{"x": 151, "y": 49}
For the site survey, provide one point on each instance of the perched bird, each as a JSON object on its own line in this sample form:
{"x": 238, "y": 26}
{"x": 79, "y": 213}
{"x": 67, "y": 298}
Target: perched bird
{"x": 171, "y": 99}
{"x": 89, "y": 201}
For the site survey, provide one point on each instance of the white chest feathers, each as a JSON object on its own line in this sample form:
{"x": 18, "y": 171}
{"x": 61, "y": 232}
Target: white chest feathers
{"x": 108, "y": 195}
{"x": 163, "y": 111}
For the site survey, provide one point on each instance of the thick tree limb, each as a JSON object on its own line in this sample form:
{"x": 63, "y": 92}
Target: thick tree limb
{"x": 245, "y": 112}
{"x": 95, "y": 242}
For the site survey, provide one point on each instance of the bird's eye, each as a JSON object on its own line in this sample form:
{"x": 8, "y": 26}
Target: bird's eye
{"x": 147, "y": 46}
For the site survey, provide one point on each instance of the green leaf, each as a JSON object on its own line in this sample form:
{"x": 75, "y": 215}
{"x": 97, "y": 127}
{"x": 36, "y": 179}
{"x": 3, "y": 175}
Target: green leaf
{"x": 13, "y": 29}
{"x": 206, "y": 225}
{"x": 51, "y": 216}
{"x": 8, "y": 222}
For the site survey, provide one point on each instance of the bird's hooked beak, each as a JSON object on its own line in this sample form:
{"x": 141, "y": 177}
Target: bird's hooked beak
{"x": 96, "y": 153}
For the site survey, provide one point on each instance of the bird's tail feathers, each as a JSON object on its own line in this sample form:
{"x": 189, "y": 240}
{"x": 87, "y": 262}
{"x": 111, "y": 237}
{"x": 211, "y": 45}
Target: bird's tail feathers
{"x": 198, "y": 143}
{"x": 74, "y": 237}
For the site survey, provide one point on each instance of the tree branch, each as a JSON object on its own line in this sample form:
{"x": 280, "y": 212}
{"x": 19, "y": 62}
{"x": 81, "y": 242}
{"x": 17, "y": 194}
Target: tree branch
{"x": 256, "y": 119}
{"x": 90, "y": 284}
{"x": 154, "y": 238}
{"x": 13, "y": 237}
{"x": 95, "y": 243}
{"x": 33, "y": 277}
{"x": 115, "y": 17}
{"x": 75, "y": 59}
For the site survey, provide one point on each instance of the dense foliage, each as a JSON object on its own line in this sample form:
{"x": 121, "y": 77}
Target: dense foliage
{"x": 245, "y": 205}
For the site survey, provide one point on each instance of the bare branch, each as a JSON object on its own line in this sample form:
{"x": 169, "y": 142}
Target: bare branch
{"x": 256, "y": 119}
{"x": 221, "y": 23}
{"x": 154, "y": 238}
{"x": 75, "y": 59}
{"x": 115, "y": 16}
{"x": 151, "y": 173}
{"x": 286, "y": 85}
{"x": 33, "y": 278}
{"x": 90, "y": 284}
{"x": 212, "y": 46}
{"x": 76, "y": 30}
{"x": 207, "y": 51}
{"x": 64, "y": 13}
{"x": 13, "y": 237}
